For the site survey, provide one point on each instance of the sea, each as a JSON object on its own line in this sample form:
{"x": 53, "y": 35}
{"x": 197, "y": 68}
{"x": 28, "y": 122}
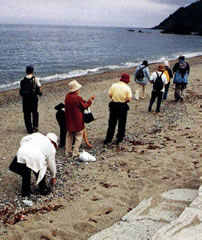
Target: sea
{"x": 62, "y": 52}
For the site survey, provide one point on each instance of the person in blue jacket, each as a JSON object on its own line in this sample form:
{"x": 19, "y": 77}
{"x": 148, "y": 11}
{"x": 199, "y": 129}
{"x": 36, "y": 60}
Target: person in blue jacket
{"x": 141, "y": 78}
{"x": 181, "y": 72}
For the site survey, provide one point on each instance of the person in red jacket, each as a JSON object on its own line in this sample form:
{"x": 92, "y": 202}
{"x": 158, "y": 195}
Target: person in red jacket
{"x": 74, "y": 117}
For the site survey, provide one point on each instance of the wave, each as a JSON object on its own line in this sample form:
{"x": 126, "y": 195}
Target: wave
{"x": 6, "y": 86}
{"x": 79, "y": 72}
{"x": 83, "y": 72}
{"x": 175, "y": 56}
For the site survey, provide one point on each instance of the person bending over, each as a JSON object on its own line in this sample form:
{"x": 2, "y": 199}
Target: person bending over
{"x": 36, "y": 153}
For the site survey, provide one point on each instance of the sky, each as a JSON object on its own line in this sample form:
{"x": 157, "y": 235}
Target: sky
{"x": 117, "y": 13}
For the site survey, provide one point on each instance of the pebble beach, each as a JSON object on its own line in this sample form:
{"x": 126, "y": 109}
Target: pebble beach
{"x": 159, "y": 153}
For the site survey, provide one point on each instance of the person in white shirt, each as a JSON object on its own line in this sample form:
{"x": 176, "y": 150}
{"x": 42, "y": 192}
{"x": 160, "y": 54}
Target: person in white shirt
{"x": 159, "y": 80}
{"x": 36, "y": 153}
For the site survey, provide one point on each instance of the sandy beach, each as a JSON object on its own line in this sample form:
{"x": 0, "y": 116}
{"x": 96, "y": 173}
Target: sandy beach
{"x": 159, "y": 153}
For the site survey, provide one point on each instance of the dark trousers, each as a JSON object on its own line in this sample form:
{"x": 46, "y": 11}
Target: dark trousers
{"x": 179, "y": 90}
{"x": 154, "y": 95}
{"x": 26, "y": 182}
{"x": 63, "y": 134}
{"x": 25, "y": 172}
{"x": 165, "y": 95}
{"x": 31, "y": 115}
{"x": 118, "y": 113}
{"x": 60, "y": 116}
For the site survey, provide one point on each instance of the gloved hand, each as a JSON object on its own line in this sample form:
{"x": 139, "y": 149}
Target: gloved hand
{"x": 40, "y": 93}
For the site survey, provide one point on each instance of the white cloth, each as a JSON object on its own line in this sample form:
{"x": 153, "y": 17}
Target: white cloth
{"x": 38, "y": 153}
{"x": 163, "y": 77}
{"x": 86, "y": 157}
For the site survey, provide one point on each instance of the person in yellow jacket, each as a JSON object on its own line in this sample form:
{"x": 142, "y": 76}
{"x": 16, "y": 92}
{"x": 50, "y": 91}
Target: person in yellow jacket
{"x": 169, "y": 74}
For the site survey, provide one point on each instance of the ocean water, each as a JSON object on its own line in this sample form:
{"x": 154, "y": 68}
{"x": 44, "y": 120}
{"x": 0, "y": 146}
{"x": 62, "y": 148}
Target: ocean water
{"x": 60, "y": 52}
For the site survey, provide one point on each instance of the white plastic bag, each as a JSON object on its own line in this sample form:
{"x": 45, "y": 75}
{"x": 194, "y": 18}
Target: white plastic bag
{"x": 86, "y": 157}
{"x": 86, "y": 111}
{"x": 28, "y": 202}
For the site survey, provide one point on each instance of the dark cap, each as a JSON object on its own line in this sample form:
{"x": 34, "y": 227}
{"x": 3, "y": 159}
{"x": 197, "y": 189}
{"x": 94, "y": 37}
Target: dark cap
{"x": 181, "y": 57}
{"x": 145, "y": 62}
{"x": 29, "y": 69}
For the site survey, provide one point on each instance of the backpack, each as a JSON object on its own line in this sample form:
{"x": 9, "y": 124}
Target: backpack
{"x": 158, "y": 84}
{"x": 182, "y": 68}
{"x": 140, "y": 74}
{"x": 28, "y": 87}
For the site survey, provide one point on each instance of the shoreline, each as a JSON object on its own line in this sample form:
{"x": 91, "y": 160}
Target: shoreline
{"x": 158, "y": 154}
{"x": 13, "y": 94}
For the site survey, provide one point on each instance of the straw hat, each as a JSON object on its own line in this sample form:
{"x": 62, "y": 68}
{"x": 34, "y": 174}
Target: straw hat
{"x": 74, "y": 86}
{"x": 166, "y": 64}
{"x": 53, "y": 137}
{"x": 161, "y": 68}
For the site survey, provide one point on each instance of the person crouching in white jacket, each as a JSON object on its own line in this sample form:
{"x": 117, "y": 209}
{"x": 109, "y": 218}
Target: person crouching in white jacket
{"x": 36, "y": 153}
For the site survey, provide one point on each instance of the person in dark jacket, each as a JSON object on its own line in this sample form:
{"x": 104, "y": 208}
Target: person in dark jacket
{"x": 60, "y": 116}
{"x": 30, "y": 87}
{"x": 181, "y": 70}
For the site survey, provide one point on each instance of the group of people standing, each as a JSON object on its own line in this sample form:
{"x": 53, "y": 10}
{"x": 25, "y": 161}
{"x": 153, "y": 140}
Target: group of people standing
{"x": 120, "y": 93}
{"x": 37, "y": 152}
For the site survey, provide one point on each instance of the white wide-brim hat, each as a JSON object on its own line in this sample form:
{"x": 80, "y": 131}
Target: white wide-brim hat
{"x": 53, "y": 137}
{"x": 166, "y": 64}
{"x": 74, "y": 86}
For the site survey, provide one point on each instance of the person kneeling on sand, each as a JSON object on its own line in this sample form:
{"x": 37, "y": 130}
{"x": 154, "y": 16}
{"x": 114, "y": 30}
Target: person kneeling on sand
{"x": 74, "y": 117}
{"x": 159, "y": 80}
{"x": 36, "y": 153}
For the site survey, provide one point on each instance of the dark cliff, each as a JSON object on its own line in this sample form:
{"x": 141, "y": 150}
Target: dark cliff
{"x": 185, "y": 20}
